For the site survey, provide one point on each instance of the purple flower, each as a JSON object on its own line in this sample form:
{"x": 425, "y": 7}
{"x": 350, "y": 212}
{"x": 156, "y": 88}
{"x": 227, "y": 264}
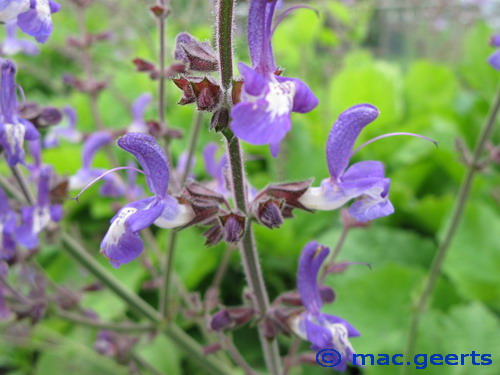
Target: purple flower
{"x": 13, "y": 129}
{"x": 494, "y": 59}
{"x": 264, "y": 114}
{"x": 37, "y": 217}
{"x": 13, "y": 45}
{"x": 322, "y": 330}
{"x": 122, "y": 242}
{"x": 67, "y": 132}
{"x": 7, "y": 228}
{"x": 138, "y": 109}
{"x": 364, "y": 180}
{"x": 113, "y": 185}
{"x": 37, "y": 20}
{"x": 216, "y": 168}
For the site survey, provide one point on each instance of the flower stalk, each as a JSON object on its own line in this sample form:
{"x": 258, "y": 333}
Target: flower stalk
{"x": 247, "y": 247}
{"x": 169, "y": 258}
{"x": 460, "y": 205}
{"x": 136, "y": 303}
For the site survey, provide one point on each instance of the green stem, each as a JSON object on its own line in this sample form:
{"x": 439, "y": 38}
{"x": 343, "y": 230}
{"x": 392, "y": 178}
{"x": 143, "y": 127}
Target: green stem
{"x": 168, "y": 264}
{"x": 119, "y": 327}
{"x": 172, "y": 331}
{"x": 249, "y": 255}
{"x": 23, "y": 184}
{"x": 225, "y": 11}
{"x": 460, "y": 204}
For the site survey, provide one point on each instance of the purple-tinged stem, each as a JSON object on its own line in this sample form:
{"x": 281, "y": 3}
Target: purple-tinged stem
{"x": 23, "y": 184}
{"x": 248, "y": 250}
{"x": 172, "y": 240}
{"x": 444, "y": 246}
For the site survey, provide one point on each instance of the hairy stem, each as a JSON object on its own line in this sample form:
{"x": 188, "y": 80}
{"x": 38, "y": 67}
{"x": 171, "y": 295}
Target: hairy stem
{"x": 118, "y": 327}
{"x": 177, "y": 335}
{"x": 249, "y": 255}
{"x": 168, "y": 264}
{"x": 460, "y": 204}
{"x": 136, "y": 303}
{"x": 23, "y": 184}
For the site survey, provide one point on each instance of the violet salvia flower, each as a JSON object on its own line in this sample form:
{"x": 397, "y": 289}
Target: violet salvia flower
{"x": 216, "y": 168}
{"x": 322, "y": 330}
{"x": 267, "y": 100}
{"x": 364, "y": 180}
{"x": 138, "y": 124}
{"x": 36, "y": 218}
{"x": 13, "y": 129}
{"x": 8, "y": 223}
{"x": 494, "y": 59}
{"x": 113, "y": 185}
{"x": 67, "y": 132}
{"x": 12, "y": 45}
{"x": 122, "y": 242}
{"x": 37, "y": 20}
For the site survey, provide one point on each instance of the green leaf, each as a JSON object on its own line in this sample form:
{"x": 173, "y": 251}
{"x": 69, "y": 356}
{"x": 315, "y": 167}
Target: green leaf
{"x": 366, "y": 81}
{"x": 464, "y": 329}
{"x": 379, "y": 245}
{"x": 474, "y": 256}
{"x": 430, "y": 87}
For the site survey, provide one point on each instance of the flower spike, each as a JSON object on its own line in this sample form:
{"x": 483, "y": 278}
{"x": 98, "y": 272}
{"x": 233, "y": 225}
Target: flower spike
{"x": 322, "y": 330}
{"x": 263, "y": 115}
{"x": 122, "y": 242}
{"x": 364, "y": 180}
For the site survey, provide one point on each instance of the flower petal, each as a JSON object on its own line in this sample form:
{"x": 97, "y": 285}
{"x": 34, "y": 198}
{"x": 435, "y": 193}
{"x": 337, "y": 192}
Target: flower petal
{"x": 93, "y": 144}
{"x": 375, "y": 201}
{"x": 304, "y": 99}
{"x": 10, "y": 9}
{"x": 259, "y": 35}
{"x": 343, "y": 136}
{"x": 122, "y": 243}
{"x": 37, "y": 22}
{"x": 139, "y": 106}
{"x": 254, "y": 83}
{"x": 364, "y": 169}
{"x": 320, "y": 337}
{"x": 332, "y": 319}
{"x": 311, "y": 259}
{"x": 494, "y": 60}
{"x": 151, "y": 158}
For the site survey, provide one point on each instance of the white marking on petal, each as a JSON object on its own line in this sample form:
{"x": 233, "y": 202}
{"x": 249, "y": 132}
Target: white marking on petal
{"x": 41, "y": 218}
{"x": 297, "y": 326}
{"x": 14, "y": 134}
{"x": 43, "y": 9}
{"x": 340, "y": 338}
{"x": 184, "y": 215}
{"x": 13, "y": 9}
{"x": 117, "y": 228}
{"x": 321, "y": 198}
{"x": 280, "y": 98}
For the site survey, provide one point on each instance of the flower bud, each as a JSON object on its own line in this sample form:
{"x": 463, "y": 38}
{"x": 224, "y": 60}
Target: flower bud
{"x": 269, "y": 214}
{"x": 143, "y": 65}
{"x": 198, "y": 56}
{"x": 220, "y": 119}
{"x": 220, "y": 321}
{"x": 234, "y": 225}
{"x": 231, "y": 317}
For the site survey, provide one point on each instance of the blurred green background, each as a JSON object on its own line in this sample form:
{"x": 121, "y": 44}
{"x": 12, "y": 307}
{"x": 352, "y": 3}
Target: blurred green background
{"x": 423, "y": 64}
